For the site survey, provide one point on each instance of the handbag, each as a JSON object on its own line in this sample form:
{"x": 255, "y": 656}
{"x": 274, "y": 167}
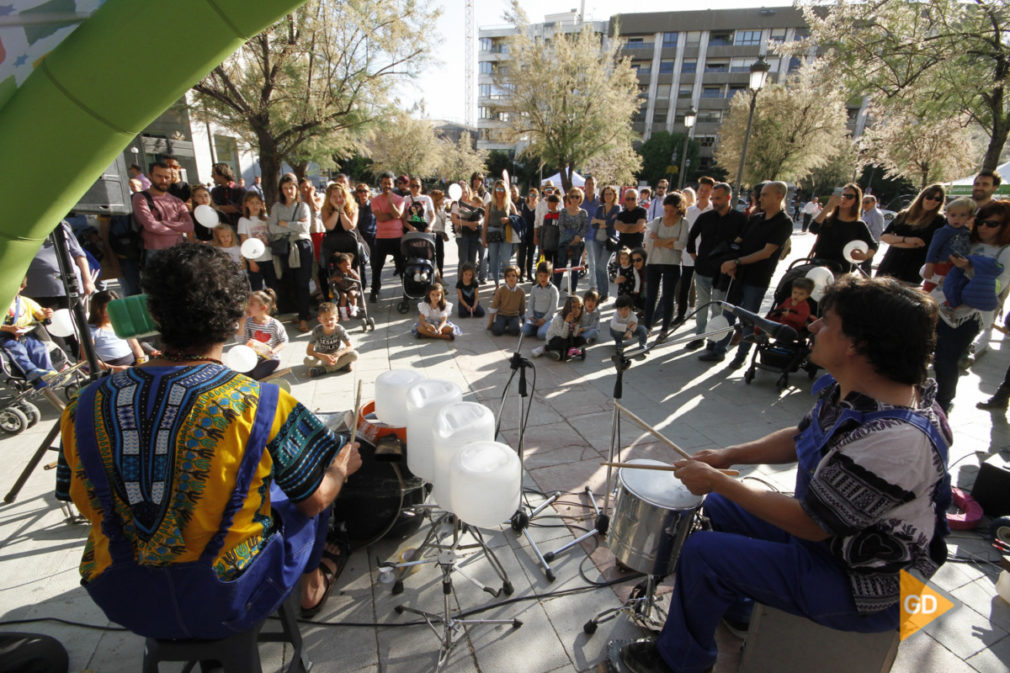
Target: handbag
{"x": 280, "y": 246}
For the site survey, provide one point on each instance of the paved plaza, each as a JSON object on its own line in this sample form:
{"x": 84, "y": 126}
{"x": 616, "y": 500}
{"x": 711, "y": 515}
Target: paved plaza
{"x": 567, "y": 438}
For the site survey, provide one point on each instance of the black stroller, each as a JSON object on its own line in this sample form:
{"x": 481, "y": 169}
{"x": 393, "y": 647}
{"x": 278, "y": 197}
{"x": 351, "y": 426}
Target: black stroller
{"x": 360, "y": 307}
{"x": 779, "y": 356}
{"x": 418, "y": 250}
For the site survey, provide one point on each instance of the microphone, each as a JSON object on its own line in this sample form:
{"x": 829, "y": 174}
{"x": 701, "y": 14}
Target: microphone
{"x": 770, "y": 327}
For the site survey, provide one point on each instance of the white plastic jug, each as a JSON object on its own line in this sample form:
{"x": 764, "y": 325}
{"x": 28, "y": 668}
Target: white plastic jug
{"x": 486, "y": 483}
{"x": 424, "y": 399}
{"x": 456, "y": 426}
{"x": 391, "y": 395}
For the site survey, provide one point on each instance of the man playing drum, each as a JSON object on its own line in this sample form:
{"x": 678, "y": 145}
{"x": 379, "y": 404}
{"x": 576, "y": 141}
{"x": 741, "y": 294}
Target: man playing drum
{"x": 870, "y": 497}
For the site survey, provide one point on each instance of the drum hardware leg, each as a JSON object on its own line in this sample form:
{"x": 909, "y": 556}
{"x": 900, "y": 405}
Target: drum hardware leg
{"x": 520, "y": 523}
{"x": 429, "y": 541}
{"x": 639, "y": 607}
{"x": 452, "y": 626}
{"x": 602, "y": 524}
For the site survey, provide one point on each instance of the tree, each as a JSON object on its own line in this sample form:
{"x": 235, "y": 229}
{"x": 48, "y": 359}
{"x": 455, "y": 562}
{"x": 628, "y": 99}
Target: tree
{"x": 658, "y": 154}
{"x": 571, "y": 98}
{"x": 405, "y": 146}
{"x": 842, "y": 165}
{"x": 914, "y": 146}
{"x": 798, "y": 125}
{"x": 946, "y": 55}
{"x": 301, "y": 88}
{"x": 617, "y": 167}
{"x": 461, "y": 160}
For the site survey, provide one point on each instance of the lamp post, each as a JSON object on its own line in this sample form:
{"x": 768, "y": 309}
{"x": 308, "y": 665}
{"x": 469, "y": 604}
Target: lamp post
{"x": 689, "y": 117}
{"x": 758, "y": 76}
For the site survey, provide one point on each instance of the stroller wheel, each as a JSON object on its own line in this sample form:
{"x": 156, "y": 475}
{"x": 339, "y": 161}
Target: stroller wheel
{"x": 13, "y": 420}
{"x": 402, "y": 306}
{"x": 748, "y": 375}
{"x": 31, "y": 412}
{"x": 371, "y": 324}
{"x": 71, "y": 389}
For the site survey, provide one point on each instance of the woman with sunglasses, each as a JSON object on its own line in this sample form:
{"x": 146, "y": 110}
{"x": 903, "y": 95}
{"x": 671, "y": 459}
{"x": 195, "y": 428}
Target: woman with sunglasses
{"x": 838, "y": 225}
{"x": 498, "y": 237}
{"x": 969, "y": 297}
{"x": 909, "y": 234}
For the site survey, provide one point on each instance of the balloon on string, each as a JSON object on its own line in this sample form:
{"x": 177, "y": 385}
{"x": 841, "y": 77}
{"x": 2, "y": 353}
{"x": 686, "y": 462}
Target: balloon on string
{"x": 719, "y": 325}
{"x": 61, "y": 324}
{"x": 241, "y": 359}
{"x": 822, "y": 277}
{"x": 206, "y": 216}
{"x": 455, "y": 191}
{"x": 851, "y": 247}
{"x": 253, "y": 248}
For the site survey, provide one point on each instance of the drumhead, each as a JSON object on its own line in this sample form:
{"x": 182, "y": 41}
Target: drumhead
{"x": 656, "y": 487}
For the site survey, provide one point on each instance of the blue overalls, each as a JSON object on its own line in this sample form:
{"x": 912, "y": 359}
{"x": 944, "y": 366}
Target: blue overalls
{"x": 190, "y": 600}
{"x": 720, "y": 573}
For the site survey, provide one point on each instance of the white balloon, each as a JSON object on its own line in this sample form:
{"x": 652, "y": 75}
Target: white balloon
{"x": 822, "y": 278}
{"x": 253, "y": 248}
{"x": 61, "y": 324}
{"x": 718, "y": 324}
{"x": 852, "y": 246}
{"x": 241, "y": 359}
{"x": 206, "y": 216}
{"x": 455, "y": 191}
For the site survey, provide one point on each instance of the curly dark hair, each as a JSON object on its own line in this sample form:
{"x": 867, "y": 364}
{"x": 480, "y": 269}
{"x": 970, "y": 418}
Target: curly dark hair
{"x": 894, "y": 326}
{"x": 196, "y": 294}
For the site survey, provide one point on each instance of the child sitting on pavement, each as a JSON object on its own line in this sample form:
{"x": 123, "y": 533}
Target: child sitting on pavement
{"x": 433, "y": 319}
{"x": 468, "y": 292}
{"x": 543, "y": 302}
{"x": 329, "y": 348}
{"x": 564, "y": 338}
{"x": 508, "y": 307}
{"x": 624, "y": 325}
{"x": 590, "y": 316}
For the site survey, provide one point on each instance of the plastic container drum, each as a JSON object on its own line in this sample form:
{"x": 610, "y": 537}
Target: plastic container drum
{"x": 486, "y": 484}
{"x": 456, "y": 426}
{"x": 424, "y": 399}
{"x": 391, "y": 395}
{"x": 652, "y": 517}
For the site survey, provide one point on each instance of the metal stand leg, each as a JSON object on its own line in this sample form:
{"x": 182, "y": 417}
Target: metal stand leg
{"x": 602, "y": 524}
{"x": 642, "y": 607}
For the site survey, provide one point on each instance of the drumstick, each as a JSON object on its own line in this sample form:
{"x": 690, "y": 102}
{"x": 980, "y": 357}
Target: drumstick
{"x": 357, "y": 413}
{"x": 661, "y": 468}
{"x": 652, "y": 431}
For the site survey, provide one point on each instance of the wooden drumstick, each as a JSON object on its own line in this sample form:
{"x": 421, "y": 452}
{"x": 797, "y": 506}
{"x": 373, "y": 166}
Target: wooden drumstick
{"x": 357, "y": 412}
{"x": 661, "y": 437}
{"x": 661, "y": 468}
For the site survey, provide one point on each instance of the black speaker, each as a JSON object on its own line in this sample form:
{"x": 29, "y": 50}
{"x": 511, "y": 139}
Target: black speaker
{"x": 992, "y": 485}
{"x": 110, "y": 195}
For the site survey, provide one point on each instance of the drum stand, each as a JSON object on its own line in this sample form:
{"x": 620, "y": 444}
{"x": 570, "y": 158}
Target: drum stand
{"x": 642, "y": 607}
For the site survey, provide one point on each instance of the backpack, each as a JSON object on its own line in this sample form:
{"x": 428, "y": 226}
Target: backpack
{"x": 125, "y": 237}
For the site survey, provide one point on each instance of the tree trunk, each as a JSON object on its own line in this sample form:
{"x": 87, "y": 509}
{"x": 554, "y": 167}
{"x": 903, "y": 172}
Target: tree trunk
{"x": 270, "y": 165}
{"x": 300, "y": 168}
{"x": 567, "y": 168}
{"x": 1000, "y": 132}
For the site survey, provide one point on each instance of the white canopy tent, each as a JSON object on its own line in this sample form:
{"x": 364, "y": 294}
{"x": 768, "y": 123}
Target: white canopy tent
{"x": 577, "y": 180}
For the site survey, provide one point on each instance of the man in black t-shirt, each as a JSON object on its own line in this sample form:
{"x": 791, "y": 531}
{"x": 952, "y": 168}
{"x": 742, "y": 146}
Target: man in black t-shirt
{"x": 631, "y": 221}
{"x": 760, "y": 246}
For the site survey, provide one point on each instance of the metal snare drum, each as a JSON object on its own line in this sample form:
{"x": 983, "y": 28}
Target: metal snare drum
{"x": 652, "y": 516}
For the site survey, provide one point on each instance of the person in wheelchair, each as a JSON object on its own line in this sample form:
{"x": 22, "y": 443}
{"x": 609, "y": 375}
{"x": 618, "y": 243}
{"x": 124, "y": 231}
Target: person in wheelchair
{"x": 28, "y": 353}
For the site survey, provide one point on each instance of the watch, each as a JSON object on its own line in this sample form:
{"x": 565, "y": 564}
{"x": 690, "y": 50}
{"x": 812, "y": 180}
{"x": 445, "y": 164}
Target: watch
{"x": 737, "y": 261}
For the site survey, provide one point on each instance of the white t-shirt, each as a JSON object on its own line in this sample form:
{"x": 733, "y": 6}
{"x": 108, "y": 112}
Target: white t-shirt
{"x": 256, "y": 228}
{"x": 422, "y": 201}
{"x": 234, "y": 253}
{"x": 692, "y": 214}
{"x": 622, "y": 325}
{"x": 433, "y": 315}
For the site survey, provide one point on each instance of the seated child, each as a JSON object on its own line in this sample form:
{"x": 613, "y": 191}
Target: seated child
{"x": 795, "y": 310}
{"x": 631, "y": 279}
{"x": 624, "y": 325}
{"x": 29, "y": 353}
{"x": 564, "y": 339}
{"x": 508, "y": 305}
{"x": 543, "y": 302}
{"x": 433, "y": 321}
{"x": 264, "y": 333}
{"x": 114, "y": 354}
{"x": 468, "y": 293}
{"x": 591, "y": 316}
{"x": 953, "y": 238}
{"x": 345, "y": 285}
{"x": 329, "y": 348}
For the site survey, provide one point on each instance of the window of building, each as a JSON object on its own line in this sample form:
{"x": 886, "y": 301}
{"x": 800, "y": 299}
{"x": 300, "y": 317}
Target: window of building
{"x": 484, "y": 90}
{"x": 485, "y": 44}
{"x": 710, "y": 116}
{"x": 485, "y": 112}
{"x": 642, "y": 67}
{"x": 693, "y": 38}
{"x": 485, "y": 67}
{"x": 663, "y": 92}
{"x": 638, "y": 42}
{"x": 704, "y": 163}
{"x": 717, "y": 65}
{"x": 685, "y": 92}
{"x": 777, "y": 35}
{"x": 747, "y": 38}
{"x": 659, "y": 117}
{"x": 711, "y": 92}
{"x": 689, "y": 66}
{"x": 484, "y": 134}
{"x": 669, "y": 40}
{"x": 503, "y": 116}
{"x": 705, "y": 141}
{"x": 801, "y": 34}
{"x": 666, "y": 67}
{"x": 734, "y": 89}
{"x": 794, "y": 63}
{"x": 721, "y": 38}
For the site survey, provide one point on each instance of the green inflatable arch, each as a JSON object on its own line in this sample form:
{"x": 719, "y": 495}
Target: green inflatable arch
{"x": 90, "y": 98}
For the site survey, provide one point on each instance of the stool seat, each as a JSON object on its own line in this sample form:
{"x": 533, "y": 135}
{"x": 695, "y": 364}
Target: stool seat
{"x": 235, "y": 654}
{"x": 783, "y": 643}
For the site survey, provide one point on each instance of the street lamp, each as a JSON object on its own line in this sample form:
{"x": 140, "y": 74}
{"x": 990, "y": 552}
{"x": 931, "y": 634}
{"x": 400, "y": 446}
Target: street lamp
{"x": 689, "y": 117}
{"x": 758, "y": 76}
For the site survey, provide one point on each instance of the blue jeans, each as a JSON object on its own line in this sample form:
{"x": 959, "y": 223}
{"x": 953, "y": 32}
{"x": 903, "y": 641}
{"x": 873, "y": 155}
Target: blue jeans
{"x": 598, "y": 256}
{"x": 745, "y": 559}
{"x": 569, "y": 254}
{"x": 669, "y": 274}
{"x": 503, "y": 324}
{"x": 29, "y": 354}
{"x": 751, "y": 298}
{"x": 467, "y": 247}
{"x": 640, "y": 332}
{"x": 498, "y": 256}
{"x": 531, "y": 329}
{"x": 951, "y": 345}
{"x": 705, "y": 294}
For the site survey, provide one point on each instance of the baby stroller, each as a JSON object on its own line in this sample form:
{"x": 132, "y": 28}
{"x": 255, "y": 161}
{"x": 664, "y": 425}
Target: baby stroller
{"x": 367, "y": 322}
{"x": 785, "y": 357}
{"x": 418, "y": 250}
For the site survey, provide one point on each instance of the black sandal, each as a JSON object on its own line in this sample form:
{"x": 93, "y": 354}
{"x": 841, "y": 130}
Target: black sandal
{"x": 330, "y": 576}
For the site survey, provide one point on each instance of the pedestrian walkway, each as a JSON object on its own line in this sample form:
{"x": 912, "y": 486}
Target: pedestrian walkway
{"x": 567, "y": 438}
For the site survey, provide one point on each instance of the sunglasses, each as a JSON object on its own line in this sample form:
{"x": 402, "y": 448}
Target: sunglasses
{"x": 361, "y": 191}
{"x": 631, "y": 198}
{"x": 991, "y": 223}
{"x": 932, "y": 198}
{"x": 637, "y": 259}
{"x": 848, "y": 196}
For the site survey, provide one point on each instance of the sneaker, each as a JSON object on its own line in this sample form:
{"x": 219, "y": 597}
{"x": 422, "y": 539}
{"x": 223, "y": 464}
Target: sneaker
{"x": 538, "y": 351}
{"x": 574, "y": 352}
{"x": 737, "y": 363}
{"x": 736, "y": 627}
{"x": 554, "y": 355}
{"x": 641, "y": 356}
{"x": 694, "y": 345}
{"x": 712, "y": 356}
{"x": 372, "y": 298}
{"x": 315, "y": 372}
{"x": 678, "y": 321}
{"x": 662, "y": 336}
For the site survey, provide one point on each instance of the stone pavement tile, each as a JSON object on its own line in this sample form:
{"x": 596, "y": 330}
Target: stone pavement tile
{"x": 982, "y": 597}
{"x": 577, "y": 400}
{"x": 965, "y": 632}
{"x": 555, "y": 444}
{"x": 952, "y": 576}
{"x": 921, "y": 654}
{"x": 568, "y": 615}
{"x": 995, "y": 659}
{"x": 532, "y": 648}
{"x": 571, "y": 476}
{"x": 115, "y": 652}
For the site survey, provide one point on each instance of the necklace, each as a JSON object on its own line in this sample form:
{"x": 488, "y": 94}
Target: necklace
{"x": 184, "y": 357}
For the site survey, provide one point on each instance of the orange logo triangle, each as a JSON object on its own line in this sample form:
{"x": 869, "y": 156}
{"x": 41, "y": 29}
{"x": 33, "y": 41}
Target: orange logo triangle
{"x": 920, "y": 604}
